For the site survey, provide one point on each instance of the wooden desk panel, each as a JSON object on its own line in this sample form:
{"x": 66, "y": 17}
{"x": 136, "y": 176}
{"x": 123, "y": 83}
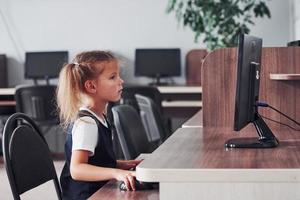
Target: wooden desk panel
{"x": 219, "y": 85}
{"x": 194, "y": 59}
{"x": 111, "y": 191}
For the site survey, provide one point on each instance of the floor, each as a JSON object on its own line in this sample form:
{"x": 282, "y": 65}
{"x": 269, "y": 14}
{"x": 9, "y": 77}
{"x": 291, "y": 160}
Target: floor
{"x": 45, "y": 192}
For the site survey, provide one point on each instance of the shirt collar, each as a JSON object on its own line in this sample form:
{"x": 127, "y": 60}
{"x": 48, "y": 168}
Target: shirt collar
{"x": 103, "y": 121}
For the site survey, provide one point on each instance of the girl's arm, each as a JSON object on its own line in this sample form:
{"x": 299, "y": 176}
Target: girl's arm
{"x": 127, "y": 164}
{"x": 82, "y": 171}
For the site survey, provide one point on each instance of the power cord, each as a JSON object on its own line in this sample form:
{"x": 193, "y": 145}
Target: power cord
{"x": 280, "y": 123}
{"x": 262, "y": 104}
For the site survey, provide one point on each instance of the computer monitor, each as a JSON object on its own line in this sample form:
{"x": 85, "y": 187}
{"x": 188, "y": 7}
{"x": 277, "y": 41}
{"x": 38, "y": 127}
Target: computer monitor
{"x": 157, "y": 63}
{"x": 247, "y": 96}
{"x": 44, "y": 65}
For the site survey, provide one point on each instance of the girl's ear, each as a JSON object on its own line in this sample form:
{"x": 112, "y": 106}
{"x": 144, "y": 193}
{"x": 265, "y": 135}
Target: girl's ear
{"x": 90, "y": 86}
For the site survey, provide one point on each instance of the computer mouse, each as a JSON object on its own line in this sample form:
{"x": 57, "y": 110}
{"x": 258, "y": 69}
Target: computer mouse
{"x": 138, "y": 186}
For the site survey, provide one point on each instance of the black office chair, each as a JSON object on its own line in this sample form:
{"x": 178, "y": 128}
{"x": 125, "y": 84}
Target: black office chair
{"x": 38, "y": 102}
{"x": 152, "y": 92}
{"x": 131, "y": 132}
{"x": 116, "y": 143}
{"x": 152, "y": 120}
{"x": 27, "y": 157}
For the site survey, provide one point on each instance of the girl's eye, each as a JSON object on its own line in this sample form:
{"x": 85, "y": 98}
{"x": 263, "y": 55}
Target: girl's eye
{"x": 113, "y": 77}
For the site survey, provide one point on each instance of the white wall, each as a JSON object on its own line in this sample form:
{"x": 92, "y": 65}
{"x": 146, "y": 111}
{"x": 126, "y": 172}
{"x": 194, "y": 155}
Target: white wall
{"x": 278, "y": 30}
{"x": 116, "y": 25}
{"x": 296, "y": 12}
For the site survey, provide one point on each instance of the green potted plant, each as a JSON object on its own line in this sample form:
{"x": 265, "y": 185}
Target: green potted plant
{"x": 218, "y": 22}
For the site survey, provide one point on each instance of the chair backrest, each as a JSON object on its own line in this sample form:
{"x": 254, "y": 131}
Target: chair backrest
{"x": 27, "y": 157}
{"x": 194, "y": 59}
{"x": 148, "y": 91}
{"x": 37, "y": 101}
{"x": 131, "y": 132}
{"x": 151, "y": 119}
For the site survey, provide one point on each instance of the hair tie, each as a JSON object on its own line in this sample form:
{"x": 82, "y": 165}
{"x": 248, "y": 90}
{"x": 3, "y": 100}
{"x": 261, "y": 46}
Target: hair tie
{"x": 76, "y": 64}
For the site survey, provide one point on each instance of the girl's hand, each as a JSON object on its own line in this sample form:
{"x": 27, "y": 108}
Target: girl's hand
{"x": 128, "y": 177}
{"x": 127, "y": 164}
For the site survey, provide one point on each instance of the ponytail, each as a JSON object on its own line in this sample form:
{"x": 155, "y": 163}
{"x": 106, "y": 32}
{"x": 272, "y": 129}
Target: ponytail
{"x": 68, "y": 94}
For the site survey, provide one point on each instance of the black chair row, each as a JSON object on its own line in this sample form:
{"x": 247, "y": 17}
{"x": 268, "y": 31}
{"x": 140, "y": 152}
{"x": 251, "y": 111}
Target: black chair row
{"x": 26, "y": 153}
{"x": 139, "y": 124}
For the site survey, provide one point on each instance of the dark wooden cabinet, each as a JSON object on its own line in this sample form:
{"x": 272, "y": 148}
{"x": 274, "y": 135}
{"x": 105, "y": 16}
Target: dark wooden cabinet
{"x": 3, "y": 71}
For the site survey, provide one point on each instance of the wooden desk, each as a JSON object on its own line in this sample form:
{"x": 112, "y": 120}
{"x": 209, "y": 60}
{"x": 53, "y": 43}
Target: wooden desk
{"x": 193, "y": 164}
{"x": 7, "y": 91}
{"x": 180, "y": 93}
{"x": 180, "y": 89}
{"x": 180, "y": 101}
{"x": 189, "y": 96}
{"x": 111, "y": 191}
{"x": 285, "y": 77}
{"x": 194, "y": 122}
{"x": 7, "y": 101}
{"x": 162, "y": 89}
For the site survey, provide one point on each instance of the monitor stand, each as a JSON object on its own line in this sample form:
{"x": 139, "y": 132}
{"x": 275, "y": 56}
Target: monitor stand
{"x": 266, "y": 138}
{"x": 157, "y": 82}
{"x": 35, "y": 81}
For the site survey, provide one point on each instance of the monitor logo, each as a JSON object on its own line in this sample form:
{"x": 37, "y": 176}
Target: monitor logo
{"x": 257, "y": 74}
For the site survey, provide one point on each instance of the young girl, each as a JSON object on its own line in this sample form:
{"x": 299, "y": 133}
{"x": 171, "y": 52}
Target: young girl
{"x": 85, "y": 87}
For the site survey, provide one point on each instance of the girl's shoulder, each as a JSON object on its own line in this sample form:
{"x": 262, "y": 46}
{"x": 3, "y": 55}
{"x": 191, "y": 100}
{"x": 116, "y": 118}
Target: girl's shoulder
{"x": 85, "y": 122}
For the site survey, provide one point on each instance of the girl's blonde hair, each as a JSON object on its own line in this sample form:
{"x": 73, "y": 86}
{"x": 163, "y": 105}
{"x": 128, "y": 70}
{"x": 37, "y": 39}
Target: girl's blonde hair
{"x": 71, "y": 82}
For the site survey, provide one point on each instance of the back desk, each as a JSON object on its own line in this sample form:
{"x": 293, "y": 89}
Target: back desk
{"x": 178, "y": 101}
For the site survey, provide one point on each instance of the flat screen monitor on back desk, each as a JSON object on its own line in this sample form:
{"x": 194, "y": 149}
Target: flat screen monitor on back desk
{"x": 157, "y": 63}
{"x": 44, "y": 65}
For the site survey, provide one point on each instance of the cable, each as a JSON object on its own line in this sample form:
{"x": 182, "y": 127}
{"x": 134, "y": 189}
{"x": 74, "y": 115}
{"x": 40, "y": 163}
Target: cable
{"x": 262, "y": 104}
{"x": 280, "y": 123}
{"x": 285, "y": 115}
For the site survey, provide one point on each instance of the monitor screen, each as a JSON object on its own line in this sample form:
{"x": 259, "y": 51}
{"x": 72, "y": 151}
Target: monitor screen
{"x": 248, "y": 76}
{"x": 157, "y": 62}
{"x": 247, "y": 96}
{"x": 39, "y": 65}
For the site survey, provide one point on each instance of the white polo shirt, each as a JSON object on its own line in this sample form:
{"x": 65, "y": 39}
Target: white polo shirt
{"x": 85, "y": 132}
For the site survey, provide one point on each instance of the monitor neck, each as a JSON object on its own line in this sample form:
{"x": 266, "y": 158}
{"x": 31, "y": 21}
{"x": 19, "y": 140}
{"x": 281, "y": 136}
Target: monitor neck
{"x": 262, "y": 129}
{"x": 47, "y": 79}
{"x": 157, "y": 81}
